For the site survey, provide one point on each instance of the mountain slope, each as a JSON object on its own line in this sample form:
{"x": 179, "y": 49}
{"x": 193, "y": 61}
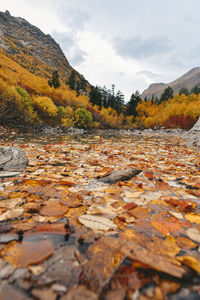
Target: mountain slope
{"x": 188, "y": 80}
{"x": 31, "y": 48}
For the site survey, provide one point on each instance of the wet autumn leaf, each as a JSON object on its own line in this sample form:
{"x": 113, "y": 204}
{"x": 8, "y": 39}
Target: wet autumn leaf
{"x": 24, "y": 254}
{"x": 182, "y": 205}
{"x": 11, "y": 214}
{"x": 120, "y": 223}
{"x": 185, "y": 243}
{"x": 194, "y": 234}
{"x": 194, "y": 192}
{"x": 76, "y": 211}
{"x": 97, "y": 222}
{"x": 157, "y": 262}
{"x": 72, "y": 200}
{"x": 139, "y": 212}
{"x": 149, "y": 175}
{"x": 53, "y": 210}
{"x": 191, "y": 262}
{"x": 100, "y": 267}
{"x": 167, "y": 228}
{"x": 24, "y": 226}
{"x": 163, "y": 186}
{"x": 130, "y": 206}
{"x": 193, "y": 218}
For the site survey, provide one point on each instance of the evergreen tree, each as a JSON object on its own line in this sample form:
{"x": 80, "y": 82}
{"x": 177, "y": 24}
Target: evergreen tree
{"x": 54, "y": 81}
{"x": 195, "y": 90}
{"x": 119, "y": 102}
{"x": 95, "y": 96}
{"x": 82, "y": 85}
{"x": 132, "y": 104}
{"x": 113, "y": 90}
{"x": 167, "y": 94}
{"x": 184, "y": 91}
{"x": 72, "y": 80}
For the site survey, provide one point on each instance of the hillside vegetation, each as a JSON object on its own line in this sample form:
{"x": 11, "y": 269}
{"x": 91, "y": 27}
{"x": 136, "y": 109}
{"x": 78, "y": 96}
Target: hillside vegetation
{"x": 29, "y": 99}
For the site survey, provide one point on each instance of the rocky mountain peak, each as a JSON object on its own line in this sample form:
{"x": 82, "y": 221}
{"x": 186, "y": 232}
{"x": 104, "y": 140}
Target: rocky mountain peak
{"x": 187, "y": 80}
{"x": 31, "y": 48}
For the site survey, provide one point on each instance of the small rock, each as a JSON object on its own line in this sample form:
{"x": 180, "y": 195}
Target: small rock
{"x": 59, "y": 288}
{"x": 4, "y": 174}
{"x": 12, "y": 159}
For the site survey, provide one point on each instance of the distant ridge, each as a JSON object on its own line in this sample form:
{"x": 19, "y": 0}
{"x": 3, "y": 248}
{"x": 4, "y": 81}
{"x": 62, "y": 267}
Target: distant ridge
{"x": 188, "y": 80}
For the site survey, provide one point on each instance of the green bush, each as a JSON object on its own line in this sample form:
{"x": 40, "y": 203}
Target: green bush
{"x": 83, "y": 118}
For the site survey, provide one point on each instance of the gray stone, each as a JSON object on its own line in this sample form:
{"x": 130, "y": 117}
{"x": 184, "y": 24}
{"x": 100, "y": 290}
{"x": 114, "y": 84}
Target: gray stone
{"x": 12, "y": 159}
{"x": 5, "y": 174}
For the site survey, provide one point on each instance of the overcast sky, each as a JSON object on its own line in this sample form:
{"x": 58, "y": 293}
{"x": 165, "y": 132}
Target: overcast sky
{"x": 130, "y": 43}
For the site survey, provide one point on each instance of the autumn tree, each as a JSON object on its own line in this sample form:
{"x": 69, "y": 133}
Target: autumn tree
{"x": 83, "y": 118}
{"x": 46, "y": 109}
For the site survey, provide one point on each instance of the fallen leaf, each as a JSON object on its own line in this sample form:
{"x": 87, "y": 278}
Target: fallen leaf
{"x": 72, "y": 200}
{"x": 76, "y": 211}
{"x": 139, "y": 212}
{"x": 24, "y": 226}
{"x": 97, "y": 222}
{"x": 24, "y": 254}
{"x": 176, "y": 214}
{"x": 193, "y": 218}
{"x": 53, "y": 210}
{"x": 11, "y": 214}
{"x": 157, "y": 262}
{"x": 191, "y": 262}
{"x": 194, "y": 192}
{"x": 194, "y": 234}
{"x": 185, "y": 243}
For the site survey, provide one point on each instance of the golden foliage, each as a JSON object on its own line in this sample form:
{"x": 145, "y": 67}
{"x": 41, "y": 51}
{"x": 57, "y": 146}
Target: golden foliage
{"x": 181, "y": 111}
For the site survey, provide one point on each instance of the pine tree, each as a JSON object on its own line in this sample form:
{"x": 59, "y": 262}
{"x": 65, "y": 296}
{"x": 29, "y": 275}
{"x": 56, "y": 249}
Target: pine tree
{"x": 72, "y": 80}
{"x": 167, "y": 94}
{"x": 95, "y": 97}
{"x": 54, "y": 81}
{"x": 132, "y": 104}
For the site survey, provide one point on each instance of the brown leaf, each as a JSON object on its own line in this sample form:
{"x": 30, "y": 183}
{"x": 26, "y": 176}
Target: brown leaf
{"x": 139, "y": 212}
{"x": 53, "y": 210}
{"x": 72, "y": 200}
{"x": 185, "y": 243}
{"x": 157, "y": 262}
{"x": 24, "y": 254}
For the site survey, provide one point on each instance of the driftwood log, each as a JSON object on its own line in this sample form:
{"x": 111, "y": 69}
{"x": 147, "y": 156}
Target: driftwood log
{"x": 120, "y": 176}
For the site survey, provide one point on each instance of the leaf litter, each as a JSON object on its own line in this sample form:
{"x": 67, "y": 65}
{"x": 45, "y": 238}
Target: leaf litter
{"x": 102, "y": 218}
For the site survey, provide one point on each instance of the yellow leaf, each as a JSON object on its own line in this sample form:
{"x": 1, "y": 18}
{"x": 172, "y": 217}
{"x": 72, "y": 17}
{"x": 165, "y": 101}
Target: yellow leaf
{"x": 193, "y": 218}
{"x": 191, "y": 262}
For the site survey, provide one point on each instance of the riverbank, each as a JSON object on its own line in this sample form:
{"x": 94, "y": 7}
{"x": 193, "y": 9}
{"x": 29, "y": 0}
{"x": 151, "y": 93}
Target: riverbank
{"x": 190, "y": 138}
